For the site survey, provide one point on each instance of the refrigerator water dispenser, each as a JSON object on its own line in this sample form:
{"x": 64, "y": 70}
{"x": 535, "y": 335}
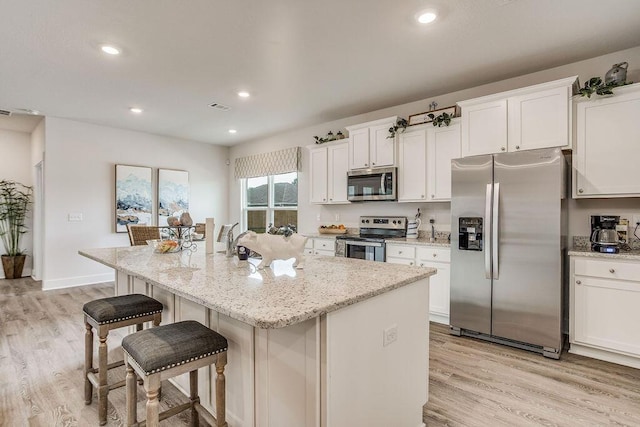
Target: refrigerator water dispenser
{"x": 470, "y": 232}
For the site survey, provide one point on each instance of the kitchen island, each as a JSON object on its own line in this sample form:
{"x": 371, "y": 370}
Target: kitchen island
{"x": 342, "y": 342}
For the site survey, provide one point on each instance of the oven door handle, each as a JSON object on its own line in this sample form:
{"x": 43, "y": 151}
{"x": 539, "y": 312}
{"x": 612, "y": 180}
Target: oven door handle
{"x": 359, "y": 243}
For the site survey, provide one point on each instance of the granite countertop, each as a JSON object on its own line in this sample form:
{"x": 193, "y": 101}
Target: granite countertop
{"x": 587, "y": 252}
{"x": 269, "y": 298}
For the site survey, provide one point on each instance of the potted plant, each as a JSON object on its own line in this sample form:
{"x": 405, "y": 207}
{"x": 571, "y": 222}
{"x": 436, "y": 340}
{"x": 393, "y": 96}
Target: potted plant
{"x": 15, "y": 199}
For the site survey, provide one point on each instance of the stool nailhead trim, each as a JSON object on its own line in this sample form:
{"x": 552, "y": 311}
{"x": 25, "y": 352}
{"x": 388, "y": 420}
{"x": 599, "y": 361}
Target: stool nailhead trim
{"x": 182, "y": 362}
{"x": 120, "y": 319}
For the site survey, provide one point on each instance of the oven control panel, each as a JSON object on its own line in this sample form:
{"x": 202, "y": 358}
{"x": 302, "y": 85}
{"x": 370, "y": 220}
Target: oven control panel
{"x": 387, "y": 222}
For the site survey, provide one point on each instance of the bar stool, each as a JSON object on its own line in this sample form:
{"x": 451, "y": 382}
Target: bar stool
{"x": 165, "y": 352}
{"x": 104, "y": 315}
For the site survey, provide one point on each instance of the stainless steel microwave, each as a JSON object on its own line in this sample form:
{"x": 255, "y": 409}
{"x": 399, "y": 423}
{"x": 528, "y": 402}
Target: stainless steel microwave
{"x": 372, "y": 184}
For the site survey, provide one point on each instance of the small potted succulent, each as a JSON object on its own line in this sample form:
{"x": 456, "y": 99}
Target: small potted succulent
{"x": 15, "y": 200}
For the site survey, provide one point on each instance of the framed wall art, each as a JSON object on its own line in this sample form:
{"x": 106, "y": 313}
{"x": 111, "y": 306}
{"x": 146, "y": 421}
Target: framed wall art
{"x": 418, "y": 119}
{"x": 173, "y": 194}
{"x": 133, "y": 196}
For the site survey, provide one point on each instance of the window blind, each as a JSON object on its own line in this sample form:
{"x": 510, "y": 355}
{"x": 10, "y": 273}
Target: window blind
{"x": 274, "y": 163}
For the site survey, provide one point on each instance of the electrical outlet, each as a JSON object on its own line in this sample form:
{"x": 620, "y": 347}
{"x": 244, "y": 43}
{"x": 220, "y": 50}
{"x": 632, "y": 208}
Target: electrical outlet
{"x": 432, "y": 219}
{"x": 74, "y": 217}
{"x": 318, "y": 217}
{"x": 390, "y": 335}
{"x": 635, "y": 221}
{"x": 337, "y": 217}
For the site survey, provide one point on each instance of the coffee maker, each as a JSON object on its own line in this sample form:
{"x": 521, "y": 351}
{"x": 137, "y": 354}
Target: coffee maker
{"x": 604, "y": 236}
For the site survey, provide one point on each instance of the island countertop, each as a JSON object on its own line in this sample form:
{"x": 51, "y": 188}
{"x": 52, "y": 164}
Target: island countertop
{"x": 266, "y": 298}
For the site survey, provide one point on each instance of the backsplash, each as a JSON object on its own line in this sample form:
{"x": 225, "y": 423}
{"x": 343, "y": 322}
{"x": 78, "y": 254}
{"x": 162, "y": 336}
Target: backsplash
{"x": 581, "y": 242}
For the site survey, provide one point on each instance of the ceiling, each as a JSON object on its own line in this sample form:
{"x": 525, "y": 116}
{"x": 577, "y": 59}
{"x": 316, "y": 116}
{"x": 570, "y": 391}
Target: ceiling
{"x": 304, "y": 62}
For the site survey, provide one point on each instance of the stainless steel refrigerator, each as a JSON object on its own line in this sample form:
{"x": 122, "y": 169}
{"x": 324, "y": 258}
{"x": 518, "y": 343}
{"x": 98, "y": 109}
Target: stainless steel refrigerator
{"x": 508, "y": 248}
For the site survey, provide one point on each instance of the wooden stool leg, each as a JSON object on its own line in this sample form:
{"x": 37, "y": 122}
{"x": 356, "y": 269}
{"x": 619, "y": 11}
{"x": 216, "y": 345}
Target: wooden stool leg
{"x": 132, "y": 394}
{"x": 103, "y": 387}
{"x": 88, "y": 363}
{"x": 221, "y": 362}
{"x": 151, "y": 385}
{"x": 193, "y": 389}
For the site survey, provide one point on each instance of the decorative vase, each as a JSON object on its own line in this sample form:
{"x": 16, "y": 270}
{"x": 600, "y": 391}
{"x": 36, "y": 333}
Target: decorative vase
{"x": 13, "y": 265}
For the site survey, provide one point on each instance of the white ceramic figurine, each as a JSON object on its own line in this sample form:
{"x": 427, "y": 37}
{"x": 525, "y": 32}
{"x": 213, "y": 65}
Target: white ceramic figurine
{"x": 275, "y": 247}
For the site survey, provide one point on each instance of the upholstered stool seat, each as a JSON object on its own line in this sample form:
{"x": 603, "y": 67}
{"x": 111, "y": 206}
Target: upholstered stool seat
{"x": 104, "y": 315}
{"x": 171, "y": 350}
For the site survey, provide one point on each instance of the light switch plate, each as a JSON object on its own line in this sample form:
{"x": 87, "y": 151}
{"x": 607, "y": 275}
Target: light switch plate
{"x": 74, "y": 217}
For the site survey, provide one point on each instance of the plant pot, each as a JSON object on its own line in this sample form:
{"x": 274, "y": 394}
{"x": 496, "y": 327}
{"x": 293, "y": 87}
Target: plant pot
{"x": 13, "y": 266}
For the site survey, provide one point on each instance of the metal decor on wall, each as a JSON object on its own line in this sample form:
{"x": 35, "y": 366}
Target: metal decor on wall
{"x": 133, "y": 196}
{"x": 173, "y": 194}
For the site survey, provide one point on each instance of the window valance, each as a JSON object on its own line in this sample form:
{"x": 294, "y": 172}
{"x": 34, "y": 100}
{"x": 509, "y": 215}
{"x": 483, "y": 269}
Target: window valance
{"x": 274, "y": 163}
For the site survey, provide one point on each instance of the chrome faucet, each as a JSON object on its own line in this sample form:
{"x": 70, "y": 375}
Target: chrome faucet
{"x": 230, "y": 241}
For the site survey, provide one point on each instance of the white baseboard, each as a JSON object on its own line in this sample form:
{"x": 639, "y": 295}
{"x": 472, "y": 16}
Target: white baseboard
{"x": 439, "y": 318}
{"x": 607, "y": 356}
{"x": 71, "y": 282}
{"x": 26, "y": 272}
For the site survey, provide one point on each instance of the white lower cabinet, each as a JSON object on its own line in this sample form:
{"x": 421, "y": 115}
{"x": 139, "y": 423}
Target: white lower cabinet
{"x": 604, "y": 315}
{"x": 432, "y": 257}
{"x": 320, "y": 246}
{"x": 439, "y": 259}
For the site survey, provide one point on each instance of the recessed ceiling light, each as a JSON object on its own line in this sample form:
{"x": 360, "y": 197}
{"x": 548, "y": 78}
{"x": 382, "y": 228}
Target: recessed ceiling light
{"x": 243, "y": 94}
{"x": 232, "y": 131}
{"x": 111, "y": 50}
{"x": 426, "y": 17}
{"x": 136, "y": 110}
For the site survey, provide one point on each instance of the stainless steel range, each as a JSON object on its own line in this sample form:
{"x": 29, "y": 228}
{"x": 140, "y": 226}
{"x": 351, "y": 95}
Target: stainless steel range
{"x": 370, "y": 244}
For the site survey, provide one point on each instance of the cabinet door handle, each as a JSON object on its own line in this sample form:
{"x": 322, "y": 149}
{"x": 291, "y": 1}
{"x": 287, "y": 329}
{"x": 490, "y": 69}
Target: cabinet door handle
{"x": 366, "y": 164}
{"x": 580, "y": 190}
{"x": 517, "y": 147}
{"x": 503, "y": 148}
{"x": 373, "y": 163}
{"x": 399, "y": 252}
{"x": 330, "y": 199}
{"x": 578, "y": 282}
{"x": 411, "y": 263}
{"x": 435, "y": 255}
{"x": 611, "y": 270}
{"x": 422, "y": 264}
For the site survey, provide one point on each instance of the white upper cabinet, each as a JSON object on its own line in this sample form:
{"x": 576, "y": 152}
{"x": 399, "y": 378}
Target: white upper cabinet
{"x": 328, "y": 166}
{"x": 337, "y": 167}
{"x": 424, "y": 162}
{"x": 443, "y": 145}
{"x": 539, "y": 119}
{"x": 318, "y": 159}
{"x": 412, "y": 166}
{"x": 607, "y": 135}
{"x": 523, "y": 119}
{"x": 484, "y": 128}
{"x": 370, "y": 145}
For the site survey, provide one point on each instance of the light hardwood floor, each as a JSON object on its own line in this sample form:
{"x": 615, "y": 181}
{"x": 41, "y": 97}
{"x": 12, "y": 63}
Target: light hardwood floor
{"x": 472, "y": 383}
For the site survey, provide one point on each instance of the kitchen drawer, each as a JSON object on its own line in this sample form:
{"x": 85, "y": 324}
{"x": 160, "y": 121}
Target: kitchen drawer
{"x": 324, "y": 244}
{"x": 401, "y": 251}
{"x": 608, "y": 269}
{"x": 403, "y": 261}
{"x": 430, "y": 254}
{"x": 324, "y": 252}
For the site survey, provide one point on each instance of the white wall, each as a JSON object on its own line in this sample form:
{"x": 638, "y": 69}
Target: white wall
{"x": 80, "y": 161}
{"x": 15, "y": 165}
{"x": 348, "y": 214}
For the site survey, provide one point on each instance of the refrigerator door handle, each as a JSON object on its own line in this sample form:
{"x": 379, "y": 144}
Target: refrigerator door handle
{"x": 495, "y": 228}
{"x": 487, "y": 233}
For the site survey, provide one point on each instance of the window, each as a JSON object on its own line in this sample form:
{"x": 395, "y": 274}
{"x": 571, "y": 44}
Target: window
{"x": 270, "y": 199}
